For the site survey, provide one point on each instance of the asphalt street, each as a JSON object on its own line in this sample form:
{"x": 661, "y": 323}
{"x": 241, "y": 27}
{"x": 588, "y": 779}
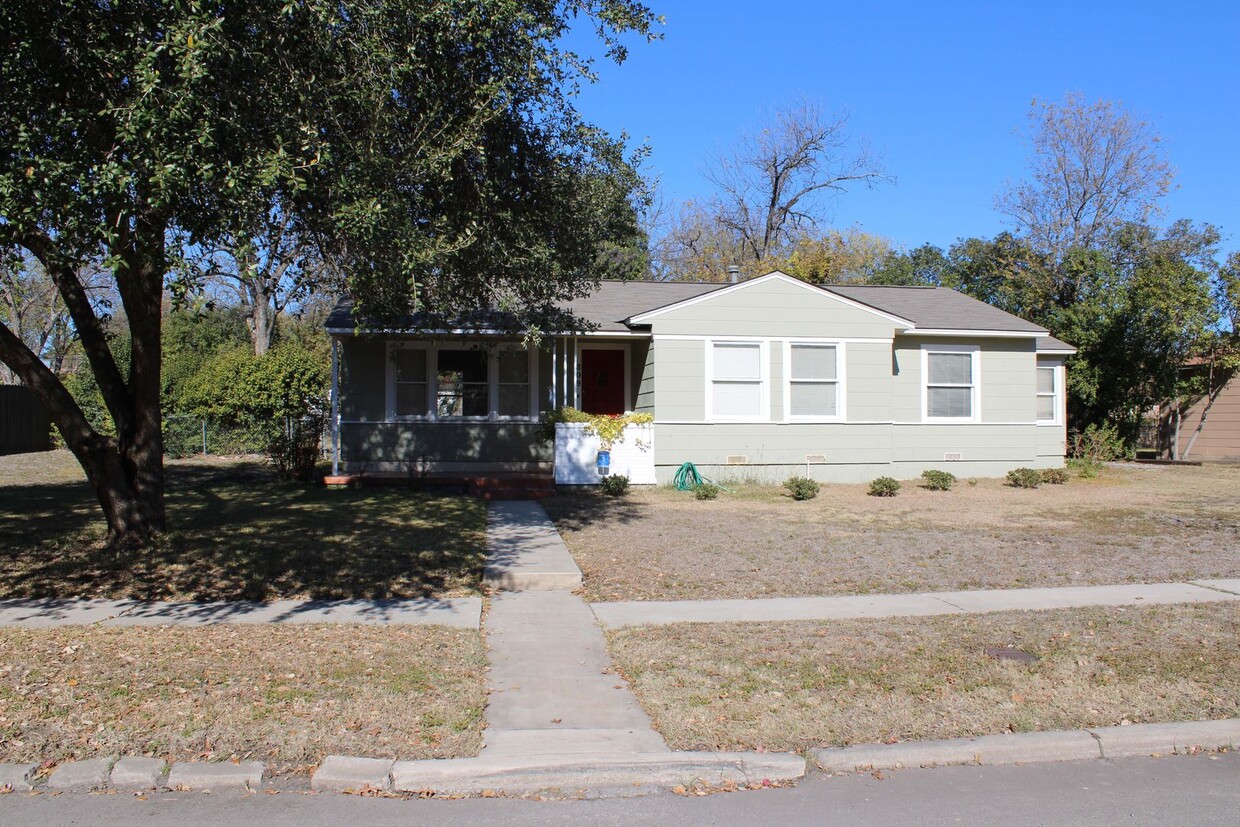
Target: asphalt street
{"x": 1197, "y": 790}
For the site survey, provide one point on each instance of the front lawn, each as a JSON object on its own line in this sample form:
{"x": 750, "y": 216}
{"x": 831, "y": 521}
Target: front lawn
{"x": 235, "y": 533}
{"x": 1131, "y": 524}
{"x": 803, "y": 685}
{"x": 285, "y": 695}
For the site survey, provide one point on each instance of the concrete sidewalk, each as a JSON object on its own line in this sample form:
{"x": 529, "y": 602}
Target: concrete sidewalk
{"x": 459, "y": 612}
{"x": 558, "y": 716}
{"x": 655, "y": 613}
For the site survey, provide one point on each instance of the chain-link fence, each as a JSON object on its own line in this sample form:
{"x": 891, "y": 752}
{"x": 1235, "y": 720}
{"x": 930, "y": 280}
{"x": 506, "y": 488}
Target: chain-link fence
{"x": 187, "y": 436}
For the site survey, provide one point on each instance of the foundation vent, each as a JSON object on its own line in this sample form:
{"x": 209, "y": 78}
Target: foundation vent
{"x": 738, "y": 459}
{"x": 815, "y": 459}
{"x": 952, "y": 456}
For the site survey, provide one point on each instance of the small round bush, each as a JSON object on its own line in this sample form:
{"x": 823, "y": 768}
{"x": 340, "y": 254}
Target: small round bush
{"x": 802, "y": 488}
{"x": 938, "y": 480}
{"x": 1054, "y": 476}
{"x": 884, "y": 487}
{"x": 1024, "y": 478}
{"x": 706, "y": 491}
{"x": 616, "y": 486}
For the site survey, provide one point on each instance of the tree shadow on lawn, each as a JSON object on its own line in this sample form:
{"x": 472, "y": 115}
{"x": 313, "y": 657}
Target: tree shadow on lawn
{"x": 576, "y": 510}
{"x": 235, "y": 533}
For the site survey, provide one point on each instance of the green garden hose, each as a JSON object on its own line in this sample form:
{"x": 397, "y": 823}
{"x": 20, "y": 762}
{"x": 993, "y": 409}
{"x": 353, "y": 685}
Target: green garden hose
{"x": 687, "y": 479}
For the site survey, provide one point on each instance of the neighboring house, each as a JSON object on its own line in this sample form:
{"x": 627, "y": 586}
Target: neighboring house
{"x": 761, "y": 379}
{"x": 1208, "y": 428}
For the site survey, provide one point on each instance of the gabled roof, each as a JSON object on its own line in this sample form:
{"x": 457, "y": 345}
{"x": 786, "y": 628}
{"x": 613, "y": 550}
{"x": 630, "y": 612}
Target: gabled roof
{"x": 616, "y": 306}
{"x": 774, "y": 275}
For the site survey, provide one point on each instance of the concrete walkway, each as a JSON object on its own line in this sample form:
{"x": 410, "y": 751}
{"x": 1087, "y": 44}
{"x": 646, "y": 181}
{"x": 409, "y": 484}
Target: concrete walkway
{"x": 655, "y": 613}
{"x": 524, "y": 550}
{"x": 558, "y": 716}
{"x": 460, "y": 612}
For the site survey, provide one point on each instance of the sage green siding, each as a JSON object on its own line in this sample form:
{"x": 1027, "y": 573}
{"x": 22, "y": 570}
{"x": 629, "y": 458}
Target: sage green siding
{"x": 363, "y": 378}
{"x": 867, "y": 381}
{"x": 680, "y": 380}
{"x": 1006, "y": 375}
{"x": 418, "y": 447}
{"x": 644, "y": 373}
{"x": 1009, "y": 380}
{"x": 639, "y": 362}
{"x": 774, "y": 307}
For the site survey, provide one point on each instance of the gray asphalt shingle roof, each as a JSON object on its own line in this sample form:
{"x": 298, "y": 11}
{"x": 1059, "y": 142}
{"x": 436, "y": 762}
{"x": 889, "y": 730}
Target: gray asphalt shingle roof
{"x": 929, "y": 308}
{"x": 936, "y": 308}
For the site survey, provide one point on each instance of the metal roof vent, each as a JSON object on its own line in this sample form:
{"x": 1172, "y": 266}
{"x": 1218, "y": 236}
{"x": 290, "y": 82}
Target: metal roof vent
{"x": 734, "y": 273}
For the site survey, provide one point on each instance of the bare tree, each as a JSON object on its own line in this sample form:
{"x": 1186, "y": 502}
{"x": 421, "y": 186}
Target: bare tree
{"x": 772, "y": 187}
{"x": 1093, "y": 168}
{"x": 267, "y": 266}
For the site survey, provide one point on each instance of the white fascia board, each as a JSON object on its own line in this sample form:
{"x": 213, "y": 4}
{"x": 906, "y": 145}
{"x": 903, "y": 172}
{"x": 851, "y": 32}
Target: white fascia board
{"x": 987, "y": 334}
{"x": 1056, "y": 352}
{"x": 643, "y": 318}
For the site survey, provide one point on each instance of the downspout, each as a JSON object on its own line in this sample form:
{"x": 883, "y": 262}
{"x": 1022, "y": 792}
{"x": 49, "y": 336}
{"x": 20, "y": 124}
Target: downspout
{"x": 335, "y": 406}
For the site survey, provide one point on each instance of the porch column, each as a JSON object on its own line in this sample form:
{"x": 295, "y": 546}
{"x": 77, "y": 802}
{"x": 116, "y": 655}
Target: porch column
{"x": 335, "y": 407}
{"x": 564, "y": 369}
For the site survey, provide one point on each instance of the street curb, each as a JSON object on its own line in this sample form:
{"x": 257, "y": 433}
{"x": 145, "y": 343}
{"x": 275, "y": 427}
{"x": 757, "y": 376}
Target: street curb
{"x": 340, "y": 773}
{"x": 81, "y": 776}
{"x": 17, "y": 777}
{"x": 1165, "y": 739}
{"x": 616, "y": 774}
{"x": 195, "y": 776}
{"x": 1032, "y": 747}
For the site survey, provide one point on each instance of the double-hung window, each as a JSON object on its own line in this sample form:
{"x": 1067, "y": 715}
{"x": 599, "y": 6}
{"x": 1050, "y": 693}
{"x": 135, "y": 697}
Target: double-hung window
{"x": 513, "y": 392}
{"x": 1048, "y": 394}
{"x": 428, "y": 381}
{"x": 409, "y": 374}
{"x": 813, "y": 381}
{"x": 950, "y": 383}
{"x": 737, "y": 383}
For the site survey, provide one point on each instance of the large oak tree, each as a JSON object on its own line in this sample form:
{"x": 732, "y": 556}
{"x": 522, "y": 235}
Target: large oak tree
{"x": 430, "y": 150}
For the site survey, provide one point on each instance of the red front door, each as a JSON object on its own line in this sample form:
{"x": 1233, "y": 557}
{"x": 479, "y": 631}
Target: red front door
{"x": 602, "y": 381}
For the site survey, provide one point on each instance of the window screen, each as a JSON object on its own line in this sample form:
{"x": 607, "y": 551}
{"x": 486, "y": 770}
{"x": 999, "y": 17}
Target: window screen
{"x": 410, "y": 381}
{"x": 949, "y": 385}
{"x": 514, "y": 383}
{"x": 1048, "y": 402}
{"x": 737, "y": 380}
{"x": 813, "y": 384}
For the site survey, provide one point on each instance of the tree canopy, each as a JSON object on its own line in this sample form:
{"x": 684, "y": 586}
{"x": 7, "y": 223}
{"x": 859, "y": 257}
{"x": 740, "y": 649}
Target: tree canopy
{"x": 430, "y": 151}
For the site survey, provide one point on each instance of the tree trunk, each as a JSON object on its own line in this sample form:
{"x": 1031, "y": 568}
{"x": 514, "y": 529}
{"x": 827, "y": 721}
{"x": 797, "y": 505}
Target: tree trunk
{"x": 261, "y": 320}
{"x": 99, "y": 455}
{"x": 127, "y": 470}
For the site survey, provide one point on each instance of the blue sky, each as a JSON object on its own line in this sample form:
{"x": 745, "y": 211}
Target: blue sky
{"x": 939, "y": 89}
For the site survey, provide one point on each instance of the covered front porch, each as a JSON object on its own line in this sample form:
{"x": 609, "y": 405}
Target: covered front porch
{"x": 458, "y": 409}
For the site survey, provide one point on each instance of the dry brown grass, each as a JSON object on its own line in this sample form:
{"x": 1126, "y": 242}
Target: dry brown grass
{"x": 796, "y": 686}
{"x": 1138, "y": 524}
{"x": 285, "y": 695}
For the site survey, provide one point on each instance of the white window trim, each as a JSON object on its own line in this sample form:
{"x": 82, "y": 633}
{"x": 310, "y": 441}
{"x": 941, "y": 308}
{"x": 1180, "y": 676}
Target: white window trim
{"x": 432, "y": 349}
{"x": 975, "y": 406}
{"x": 841, "y": 412}
{"x": 628, "y": 368}
{"x": 764, "y": 380}
{"x": 1057, "y": 394}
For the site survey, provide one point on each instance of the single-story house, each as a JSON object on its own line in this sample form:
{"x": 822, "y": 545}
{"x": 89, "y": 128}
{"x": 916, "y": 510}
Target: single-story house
{"x": 761, "y": 379}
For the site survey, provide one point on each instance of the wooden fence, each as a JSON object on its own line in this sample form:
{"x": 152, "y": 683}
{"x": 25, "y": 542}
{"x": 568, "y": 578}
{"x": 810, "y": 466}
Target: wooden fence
{"x": 24, "y": 424}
